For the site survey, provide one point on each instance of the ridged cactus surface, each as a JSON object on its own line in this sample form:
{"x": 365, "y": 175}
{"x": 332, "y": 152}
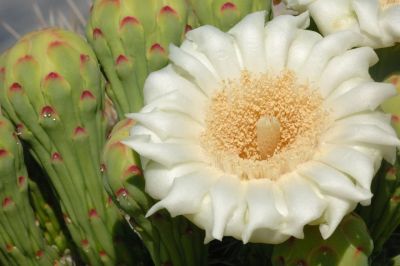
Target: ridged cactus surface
{"x": 21, "y": 240}
{"x": 170, "y": 241}
{"x": 225, "y": 14}
{"x": 53, "y": 91}
{"x": 131, "y": 39}
{"x": 350, "y": 245}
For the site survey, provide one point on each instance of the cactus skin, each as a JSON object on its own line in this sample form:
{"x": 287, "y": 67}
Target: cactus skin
{"x": 224, "y": 14}
{"x": 170, "y": 241}
{"x": 350, "y": 244}
{"x": 131, "y": 38}
{"x": 21, "y": 240}
{"x": 53, "y": 91}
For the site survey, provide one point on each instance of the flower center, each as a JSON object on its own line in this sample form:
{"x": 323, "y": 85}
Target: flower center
{"x": 388, "y": 3}
{"x": 263, "y": 126}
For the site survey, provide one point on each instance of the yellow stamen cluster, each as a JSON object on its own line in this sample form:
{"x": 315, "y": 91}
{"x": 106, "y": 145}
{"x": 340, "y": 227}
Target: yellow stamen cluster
{"x": 263, "y": 126}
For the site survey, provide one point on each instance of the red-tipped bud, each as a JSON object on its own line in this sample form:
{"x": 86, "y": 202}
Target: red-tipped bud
{"x": 9, "y": 247}
{"x": 39, "y": 254}
{"x": 93, "y": 213}
{"x": 228, "y": 6}
{"x": 102, "y": 253}
{"x": 129, "y": 20}
{"x": 188, "y": 28}
{"x": 167, "y": 10}
{"x": 85, "y": 242}
{"x": 97, "y": 33}
{"x": 122, "y": 192}
{"x": 157, "y": 48}
{"x": 52, "y": 75}
{"x": 47, "y": 111}
{"x": 6, "y": 202}
{"x": 55, "y": 44}
{"x": 56, "y": 157}
{"x": 133, "y": 170}
{"x": 84, "y": 58}
{"x": 86, "y": 94}
{"x": 121, "y": 59}
{"x": 21, "y": 180}
{"x": 79, "y": 131}
{"x": 15, "y": 87}
{"x": 3, "y": 153}
{"x": 25, "y": 58}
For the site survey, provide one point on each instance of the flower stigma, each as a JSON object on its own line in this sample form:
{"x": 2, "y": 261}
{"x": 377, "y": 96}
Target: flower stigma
{"x": 263, "y": 126}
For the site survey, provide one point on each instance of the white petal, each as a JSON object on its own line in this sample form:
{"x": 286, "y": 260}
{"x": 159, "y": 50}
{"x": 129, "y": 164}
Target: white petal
{"x": 304, "y": 203}
{"x": 167, "y": 154}
{"x": 336, "y": 210}
{"x": 182, "y": 101}
{"x": 186, "y": 194}
{"x": 280, "y": 33}
{"x": 352, "y": 63}
{"x": 249, "y": 36}
{"x": 219, "y": 49}
{"x": 262, "y": 212}
{"x": 360, "y": 133}
{"x": 347, "y": 86}
{"x": 236, "y": 224}
{"x": 159, "y": 178}
{"x": 379, "y": 119}
{"x": 225, "y": 195}
{"x": 391, "y": 24}
{"x": 169, "y": 124}
{"x": 333, "y": 182}
{"x": 140, "y": 130}
{"x": 354, "y": 163}
{"x": 301, "y": 48}
{"x": 201, "y": 74}
{"x": 368, "y": 15}
{"x": 365, "y": 97}
{"x": 326, "y": 49}
{"x": 164, "y": 81}
{"x": 333, "y": 16}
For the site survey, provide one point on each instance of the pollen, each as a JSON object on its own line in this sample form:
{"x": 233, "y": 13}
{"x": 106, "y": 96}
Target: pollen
{"x": 262, "y": 126}
{"x": 388, "y": 3}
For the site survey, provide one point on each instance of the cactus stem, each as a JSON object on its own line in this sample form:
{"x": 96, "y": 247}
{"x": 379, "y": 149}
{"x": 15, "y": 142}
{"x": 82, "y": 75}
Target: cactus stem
{"x": 121, "y": 59}
{"x": 157, "y": 47}
{"x": 15, "y": 87}
{"x": 228, "y": 6}
{"x": 129, "y": 20}
{"x": 6, "y": 202}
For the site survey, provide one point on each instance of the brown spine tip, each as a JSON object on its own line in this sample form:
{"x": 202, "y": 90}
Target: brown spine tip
{"x": 93, "y": 213}
{"x": 47, "y": 111}
{"x": 102, "y": 253}
{"x": 25, "y": 58}
{"x": 97, "y": 33}
{"x": 86, "y": 94}
{"x": 6, "y": 202}
{"x": 277, "y": 2}
{"x": 167, "y": 10}
{"x": 9, "y": 247}
{"x": 84, "y": 58}
{"x": 2, "y": 70}
{"x": 228, "y": 6}
{"x": 56, "y": 157}
{"x": 21, "y": 180}
{"x": 55, "y": 44}
{"x": 133, "y": 170}
{"x": 391, "y": 171}
{"x": 122, "y": 192}
{"x": 102, "y": 167}
{"x": 79, "y": 131}
{"x": 395, "y": 119}
{"x": 129, "y": 20}
{"x": 85, "y": 242}
{"x": 52, "y": 75}
{"x": 3, "y": 153}
{"x": 188, "y": 28}
{"x": 121, "y": 59}
{"x": 157, "y": 47}
{"x": 66, "y": 218}
{"x": 15, "y": 87}
{"x": 39, "y": 254}
{"x": 395, "y": 198}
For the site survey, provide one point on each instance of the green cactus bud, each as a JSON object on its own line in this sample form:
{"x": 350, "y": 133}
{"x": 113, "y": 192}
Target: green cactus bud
{"x": 350, "y": 244}
{"x": 392, "y": 105}
{"x": 21, "y": 240}
{"x": 131, "y": 39}
{"x": 53, "y": 91}
{"x": 224, "y": 14}
{"x": 169, "y": 240}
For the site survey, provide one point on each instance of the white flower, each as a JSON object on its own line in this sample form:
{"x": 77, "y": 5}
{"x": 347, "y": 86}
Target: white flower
{"x": 257, "y": 132}
{"x": 377, "y": 20}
